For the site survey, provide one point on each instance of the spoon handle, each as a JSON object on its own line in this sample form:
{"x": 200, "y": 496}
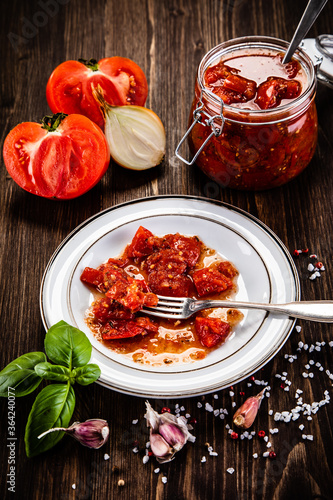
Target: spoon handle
{"x": 312, "y": 11}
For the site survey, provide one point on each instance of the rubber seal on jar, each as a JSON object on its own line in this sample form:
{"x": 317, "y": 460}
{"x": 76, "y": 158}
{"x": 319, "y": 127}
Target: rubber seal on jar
{"x": 209, "y": 121}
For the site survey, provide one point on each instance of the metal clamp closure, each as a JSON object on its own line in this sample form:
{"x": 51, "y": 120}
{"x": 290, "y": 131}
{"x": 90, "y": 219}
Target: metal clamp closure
{"x": 198, "y": 114}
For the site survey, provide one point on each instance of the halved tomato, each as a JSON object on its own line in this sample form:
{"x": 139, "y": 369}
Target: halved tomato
{"x": 69, "y": 88}
{"x": 61, "y": 158}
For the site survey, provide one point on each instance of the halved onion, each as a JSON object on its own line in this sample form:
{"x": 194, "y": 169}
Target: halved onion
{"x": 136, "y": 135}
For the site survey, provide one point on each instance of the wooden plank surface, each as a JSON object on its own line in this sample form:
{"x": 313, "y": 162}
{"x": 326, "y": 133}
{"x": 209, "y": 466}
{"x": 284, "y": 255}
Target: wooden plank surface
{"x": 167, "y": 39}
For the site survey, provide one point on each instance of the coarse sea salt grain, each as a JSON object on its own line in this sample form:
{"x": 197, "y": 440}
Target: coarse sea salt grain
{"x": 208, "y": 407}
{"x": 157, "y": 470}
{"x": 203, "y": 460}
{"x": 265, "y": 454}
{"x": 164, "y": 479}
{"x": 199, "y": 405}
{"x": 135, "y": 421}
{"x": 255, "y": 455}
{"x": 301, "y": 427}
{"x": 74, "y": 486}
{"x": 298, "y": 328}
{"x": 145, "y": 459}
{"x": 106, "y": 456}
{"x": 230, "y": 470}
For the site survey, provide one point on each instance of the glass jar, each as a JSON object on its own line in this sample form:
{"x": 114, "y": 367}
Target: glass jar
{"x": 252, "y": 149}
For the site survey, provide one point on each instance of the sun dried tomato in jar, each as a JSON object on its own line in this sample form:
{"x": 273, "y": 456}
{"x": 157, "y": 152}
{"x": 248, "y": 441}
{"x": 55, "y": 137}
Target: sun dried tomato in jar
{"x": 253, "y": 121}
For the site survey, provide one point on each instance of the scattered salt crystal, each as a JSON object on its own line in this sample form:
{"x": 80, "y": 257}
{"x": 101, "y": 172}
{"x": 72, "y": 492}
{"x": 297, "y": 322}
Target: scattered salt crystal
{"x": 286, "y": 388}
{"x": 233, "y": 404}
{"x": 231, "y": 393}
{"x": 199, "y": 405}
{"x": 182, "y": 408}
{"x": 231, "y": 470}
{"x": 106, "y": 456}
{"x": 135, "y": 450}
{"x": 330, "y": 343}
{"x": 303, "y": 436}
{"x": 309, "y": 418}
{"x": 269, "y": 444}
{"x": 321, "y": 369}
{"x": 284, "y": 374}
{"x": 301, "y": 427}
{"x": 253, "y": 433}
{"x": 265, "y": 454}
{"x": 298, "y": 328}
{"x": 322, "y": 268}
{"x": 266, "y": 438}
{"x": 255, "y": 455}
{"x": 311, "y": 375}
{"x": 277, "y": 416}
{"x": 312, "y": 276}
{"x": 74, "y": 486}
{"x": 311, "y": 267}
{"x": 213, "y": 454}
{"x": 157, "y": 470}
{"x": 267, "y": 394}
{"x": 277, "y": 375}
{"x": 291, "y": 360}
{"x": 309, "y": 437}
{"x": 222, "y": 416}
{"x": 135, "y": 421}
{"x": 313, "y": 256}
{"x": 283, "y": 378}
{"x": 216, "y": 396}
{"x": 203, "y": 459}
{"x": 216, "y": 412}
{"x": 249, "y": 385}
{"x": 145, "y": 459}
{"x": 208, "y": 407}
{"x": 242, "y": 436}
{"x": 305, "y": 375}
{"x": 227, "y": 426}
{"x": 311, "y": 362}
{"x": 187, "y": 415}
{"x": 307, "y": 366}
{"x": 318, "y": 348}
{"x": 164, "y": 479}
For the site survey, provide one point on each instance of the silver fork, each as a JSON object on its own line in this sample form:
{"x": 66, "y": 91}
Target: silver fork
{"x": 183, "y": 307}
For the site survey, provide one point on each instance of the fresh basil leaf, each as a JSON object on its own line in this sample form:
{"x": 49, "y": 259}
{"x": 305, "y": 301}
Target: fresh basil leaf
{"x": 87, "y": 374}
{"x": 48, "y": 371}
{"x": 53, "y": 407}
{"x": 67, "y": 346}
{"x": 19, "y": 376}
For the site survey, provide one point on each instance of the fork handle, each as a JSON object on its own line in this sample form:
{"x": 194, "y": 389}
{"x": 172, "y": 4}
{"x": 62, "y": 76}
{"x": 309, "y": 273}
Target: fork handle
{"x": 315, "y": 310}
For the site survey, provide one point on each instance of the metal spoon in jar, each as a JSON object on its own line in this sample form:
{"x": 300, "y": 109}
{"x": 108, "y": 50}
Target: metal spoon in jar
{"x": 312, "y": 11}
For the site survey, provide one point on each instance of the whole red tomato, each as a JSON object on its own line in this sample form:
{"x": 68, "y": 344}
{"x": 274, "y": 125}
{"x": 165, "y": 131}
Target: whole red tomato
{"x": 69, "y": 89}
{"x": 61, "y": 158}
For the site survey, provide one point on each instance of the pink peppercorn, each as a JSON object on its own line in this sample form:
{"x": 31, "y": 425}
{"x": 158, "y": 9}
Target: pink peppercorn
{"x": 261, "y": 434}
{"x": 296, "y": 253}
{"x": 165, "y": 410}
{"x": 272, "y": 454}
{"x": 234, "y": 435}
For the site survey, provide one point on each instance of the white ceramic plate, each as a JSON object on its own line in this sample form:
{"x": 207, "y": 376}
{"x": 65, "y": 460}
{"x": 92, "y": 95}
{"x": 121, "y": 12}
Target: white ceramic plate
{"x": 266, "y": 274}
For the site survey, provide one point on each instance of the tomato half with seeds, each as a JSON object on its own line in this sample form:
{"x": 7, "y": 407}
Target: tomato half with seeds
{"x": 69, "y": 88}
{"x": 62, "y": 158}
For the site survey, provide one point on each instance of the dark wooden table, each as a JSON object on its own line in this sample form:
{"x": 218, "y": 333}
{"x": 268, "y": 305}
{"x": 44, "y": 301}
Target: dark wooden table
{"x": 168, "y": 40}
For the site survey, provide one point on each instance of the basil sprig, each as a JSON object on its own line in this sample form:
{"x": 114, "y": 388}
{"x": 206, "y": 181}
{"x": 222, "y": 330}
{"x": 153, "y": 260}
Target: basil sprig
{"x": 70, "y": 350}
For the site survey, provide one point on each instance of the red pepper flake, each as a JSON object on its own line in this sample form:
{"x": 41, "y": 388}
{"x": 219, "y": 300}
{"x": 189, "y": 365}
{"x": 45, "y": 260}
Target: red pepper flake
{"x": 282, "y": 385}
{"x": 252, "y": 378}
{"x": 319, "y": 265}
{"x": 261, "y": 434}
{"x": 305, "y": 250}
{"x": 296, "y": 253}
{"x": 242, "y": 393}
{"x": 150, "y": 453}
{"x": 272, "y": 454}
{"x": 165, "y": 410}
{"x": 234, "y": 435}
{"x": 231, "y": 388}
{"x": 193, "y": 421}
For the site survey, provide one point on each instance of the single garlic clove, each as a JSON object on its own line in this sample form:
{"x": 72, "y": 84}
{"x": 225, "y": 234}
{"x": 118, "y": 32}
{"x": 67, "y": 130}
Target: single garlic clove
{"x": 159, "y": 446}
{"x": 246, "y": 414}
{"x": 172, "y": 435}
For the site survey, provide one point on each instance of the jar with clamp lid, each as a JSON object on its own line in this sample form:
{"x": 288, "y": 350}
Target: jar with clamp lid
{"x": 253, "y": 121}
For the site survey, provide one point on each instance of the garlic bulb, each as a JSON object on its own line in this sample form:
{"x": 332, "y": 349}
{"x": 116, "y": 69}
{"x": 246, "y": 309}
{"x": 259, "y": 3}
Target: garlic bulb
{"x": 168, "y": 434}
{"x": 135, "y": 134}
{"x": 92, "y": 433}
